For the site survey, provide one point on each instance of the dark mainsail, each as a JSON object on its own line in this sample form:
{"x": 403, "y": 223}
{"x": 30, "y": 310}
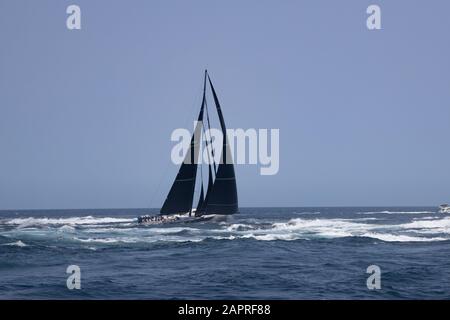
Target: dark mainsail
{"x": 181, "y": 195}
{"x": 222, "y": 198}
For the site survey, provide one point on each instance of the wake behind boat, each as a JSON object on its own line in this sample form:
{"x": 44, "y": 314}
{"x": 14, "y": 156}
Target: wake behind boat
{"x": 221, "y": 193}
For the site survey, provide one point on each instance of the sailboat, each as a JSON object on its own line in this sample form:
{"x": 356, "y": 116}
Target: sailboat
{"x": 220, "y": 197}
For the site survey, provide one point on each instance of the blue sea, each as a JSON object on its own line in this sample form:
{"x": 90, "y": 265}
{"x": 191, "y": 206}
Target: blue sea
{"x": 260, "y": 253}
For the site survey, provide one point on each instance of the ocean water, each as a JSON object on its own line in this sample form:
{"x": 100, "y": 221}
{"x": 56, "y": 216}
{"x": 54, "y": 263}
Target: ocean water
{"x": 261, "y": 253}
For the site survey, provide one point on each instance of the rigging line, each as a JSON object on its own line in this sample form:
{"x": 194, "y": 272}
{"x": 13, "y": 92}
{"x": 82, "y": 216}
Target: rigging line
{"x": 158, "y": 185}
{"x": 187, "y": 117}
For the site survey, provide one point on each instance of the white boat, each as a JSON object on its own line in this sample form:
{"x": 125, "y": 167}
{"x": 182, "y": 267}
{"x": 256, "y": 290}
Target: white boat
{"x": 444, "y": 208}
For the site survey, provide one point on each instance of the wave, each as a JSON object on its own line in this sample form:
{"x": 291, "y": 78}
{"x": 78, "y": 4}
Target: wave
{"x": 131, "y": 240}
{"x": 71, "y": 221}
{"x": 238, "y": 227}
{"x": 306, "y": 213}
{"x": 15, "y": 244}
{"x": 66, "y": 228}
{"x": 297, "y": 229}
{"x": 400, "y": 238}
{"x": 98, "y": 240}
{"x": 109, "y": 231}
{"x": 431, "y": 226}
{"x": 395, "y": 212}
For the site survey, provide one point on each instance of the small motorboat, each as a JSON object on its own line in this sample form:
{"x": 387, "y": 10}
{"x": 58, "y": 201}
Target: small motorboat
{"x": 444, "y": 208}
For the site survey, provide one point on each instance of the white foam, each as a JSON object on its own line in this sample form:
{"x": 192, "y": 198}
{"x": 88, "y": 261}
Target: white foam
{"x": 326, "y": 227}
{"x": 71, "y": 221}
{"x": 172, "y": 230}
{"x": 106, "y": 230}
{"x": 238, "y": 226}
{"x": 298, "y": 228}
{"x": 399, "y": 238}
{"x": 306, "y": 213}
{"x": 429, "y": 226}
{"x": 16, "y": 244}
{"x": 395, "y": 212}
{"x": 66, "y": 228}
{"x": 273, "y": 237}
{"x": 97, "y": 240}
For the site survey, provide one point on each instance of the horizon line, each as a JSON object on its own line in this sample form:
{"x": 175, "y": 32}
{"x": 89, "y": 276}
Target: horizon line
{"x": 244, "y": 207}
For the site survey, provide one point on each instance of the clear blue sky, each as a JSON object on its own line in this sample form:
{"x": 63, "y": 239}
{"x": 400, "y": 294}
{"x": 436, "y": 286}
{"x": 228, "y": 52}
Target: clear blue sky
{"x": 86, "y": 116}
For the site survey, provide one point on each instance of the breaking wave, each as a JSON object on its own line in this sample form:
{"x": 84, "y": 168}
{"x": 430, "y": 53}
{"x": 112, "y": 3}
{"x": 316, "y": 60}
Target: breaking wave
{"x": 72, "y": 221}
{"x": 395, "y": 212}
{"x": 15, "y": 244}
{"x": 115, "y": 231}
